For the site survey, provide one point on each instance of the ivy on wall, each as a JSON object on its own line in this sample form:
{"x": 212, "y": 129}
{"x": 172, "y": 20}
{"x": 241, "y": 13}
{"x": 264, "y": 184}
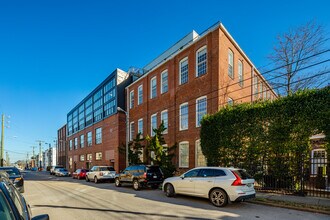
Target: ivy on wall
{"x": 276, "y": 133}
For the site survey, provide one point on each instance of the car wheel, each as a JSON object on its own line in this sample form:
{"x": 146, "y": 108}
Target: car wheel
{"x": 136, "y": 185}
{"x": 117, "y": 182}
{"x": 218, "y": 198}
{"x": 95, "y": 180}
{"x": 87, "y": 179}
{"x": 169, "y": 190}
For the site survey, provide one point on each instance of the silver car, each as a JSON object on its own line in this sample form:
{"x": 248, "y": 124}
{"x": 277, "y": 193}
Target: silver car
{"x": 62, "y": 172}
{"x": 101, "y": 173}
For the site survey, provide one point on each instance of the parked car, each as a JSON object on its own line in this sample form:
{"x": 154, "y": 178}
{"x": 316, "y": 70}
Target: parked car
{"x": 12, "y": 203}
{"x": 79, "y": 174}
{"x": 218, "y": 184}
{"x": 15, "y": 176}
{"x": 62, "y": 172}
{"x": 52, "y": 169}
{"x": 140, "y": 176}
{"x": 101, "y": 173}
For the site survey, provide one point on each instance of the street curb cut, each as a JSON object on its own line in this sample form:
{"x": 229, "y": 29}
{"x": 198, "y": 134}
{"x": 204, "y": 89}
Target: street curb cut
{"x": 291, "y": 207}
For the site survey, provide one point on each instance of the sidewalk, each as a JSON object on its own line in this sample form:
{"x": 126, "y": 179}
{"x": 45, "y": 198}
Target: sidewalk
{"x": 307, "y": 203}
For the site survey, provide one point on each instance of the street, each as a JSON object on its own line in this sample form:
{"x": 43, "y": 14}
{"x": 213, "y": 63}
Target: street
{"x": 66, "y": 198}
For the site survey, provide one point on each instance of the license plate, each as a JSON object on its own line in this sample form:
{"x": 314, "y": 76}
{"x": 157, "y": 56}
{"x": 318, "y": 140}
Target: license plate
{"x": 155, "y": 177}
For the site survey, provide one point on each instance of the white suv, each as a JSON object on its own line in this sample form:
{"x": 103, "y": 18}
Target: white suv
{"x": 101, "y": 173}
{"x": 219, "y": 184}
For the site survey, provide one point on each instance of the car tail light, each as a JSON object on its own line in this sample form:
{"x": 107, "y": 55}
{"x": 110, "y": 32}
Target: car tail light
{"x": 145, "y": 175}
{"x": 101, "y": 174}
{"x": 238, "y": 181}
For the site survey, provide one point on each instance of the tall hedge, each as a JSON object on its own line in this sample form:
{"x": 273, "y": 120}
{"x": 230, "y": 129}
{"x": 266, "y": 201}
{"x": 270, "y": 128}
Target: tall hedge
{"x": 276, "y": 133}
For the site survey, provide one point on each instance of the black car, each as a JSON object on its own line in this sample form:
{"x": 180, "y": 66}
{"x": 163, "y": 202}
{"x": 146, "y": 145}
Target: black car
{"x": 140, "y": 176}
{"x": 15, "y": 176}
{"x": 12, "y": 204}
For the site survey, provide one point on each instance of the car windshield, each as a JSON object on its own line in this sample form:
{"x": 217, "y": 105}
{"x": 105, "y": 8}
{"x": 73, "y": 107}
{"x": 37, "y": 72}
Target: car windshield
{"x": 107, "y": 169}
{"x": 11, "y": 172}
{"x": 64, "y": 170}
{"x": 153, "y": 169}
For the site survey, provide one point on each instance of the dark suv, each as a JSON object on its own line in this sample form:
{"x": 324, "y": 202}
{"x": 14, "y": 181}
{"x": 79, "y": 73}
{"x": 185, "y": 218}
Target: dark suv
{"x": 15, "y": 176}
{"x": 140, "y": 176}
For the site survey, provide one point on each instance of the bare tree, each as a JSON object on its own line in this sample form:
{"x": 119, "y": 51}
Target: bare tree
{"x": 295, "y": 51}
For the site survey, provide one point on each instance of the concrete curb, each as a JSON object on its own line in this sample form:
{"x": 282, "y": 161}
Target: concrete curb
{"x": 274, "y": 204}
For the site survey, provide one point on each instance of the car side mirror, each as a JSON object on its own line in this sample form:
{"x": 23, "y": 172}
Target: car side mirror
{"x": 182, "y": 176}
{"x": 41, "y": 217}
{"x": 120, "y": 171}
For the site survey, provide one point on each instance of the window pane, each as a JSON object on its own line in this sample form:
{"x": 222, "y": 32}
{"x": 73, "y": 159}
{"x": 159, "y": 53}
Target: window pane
{"x": 201, "y": 110}
{"x": 184, "y": 116}
{"x": 131, "y": 99}
{"x": 184, "y": 155}
{"x": 164, "y": 118}
{"x": 164, "y": 82}
{"x": 201, "y": 62}
{"x": 240, "y": 73}
{"x": 230, "y": 64}
{"x": 153, "y": 124}
{"x": 153, "y": 87}
{"x": 98, "y": 136}
{"x": 140, "y": 95}
{"x": 183, "y": 71}
{"x": 140, "y": 126}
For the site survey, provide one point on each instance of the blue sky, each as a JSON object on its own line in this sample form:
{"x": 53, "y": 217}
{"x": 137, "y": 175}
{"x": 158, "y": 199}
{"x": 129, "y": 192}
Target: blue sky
{"x": 53, "y": 53}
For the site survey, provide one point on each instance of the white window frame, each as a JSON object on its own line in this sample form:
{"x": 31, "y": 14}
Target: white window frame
{"x": 91, "y": 140}
{"x": 180, "y": 73}
{"x": 198, "y": 142}
{"x": 82, "y": 143}
{"x": 76, "y": 143}
{"x": 140, "y": 94}
{"x": 151, "y": 80}
{"x": 161, "y": 119}
{"x": 230, "y": 101}
{"x": 240, "y": 73}
{"x": 161, "y": 82}
{"x": 198, "y": 122}
{"x": 231, "y": 62}
{"x": 140, "y": 130}
{"x": 199, "y": 50}
{"x": 131, "y": 125}
{"x": 180, "y": 117}
{"x": 151, "y": 128}
{"x": 180, "y": 162}
{"x": 131, "y": 99}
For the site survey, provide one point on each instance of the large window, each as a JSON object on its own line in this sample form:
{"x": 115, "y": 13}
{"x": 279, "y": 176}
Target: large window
{"x": 82, "y": 141}
{"x": 201, "y": 109}
{"x": 240, "y": 73}
{"x": 153, "y": 123}
{"x": 89, "y": 157}
{"x": 200, "y": 158}
{"x": 98, "y": 156}
{"x": 81, "y": 117}
{"x": 164, "y": 119}
{"x": 201, "y": 61}
{"x": 184, "y": 154}
{"x": 230, "y": 63}
{"x": 140, "y": 127}
{"x": 98, "y": 135}
{"x": 89, "y": 138}
{"x": 75, "y": 143}
{"x": 140, "y": 94}
{"x": 132, "y": 131}
{"x": 131, "y": 99}
{"x": 153, "y": 87}
{"x": 255, "y": 86}
{"x": 110, "y": 108}
{"x": 183, "y": 69}
{"x": 82, "y": 157}
{"x": 164, "y": 82}
{"x": 70, "y": 144}
{"x": 183, "y": 116}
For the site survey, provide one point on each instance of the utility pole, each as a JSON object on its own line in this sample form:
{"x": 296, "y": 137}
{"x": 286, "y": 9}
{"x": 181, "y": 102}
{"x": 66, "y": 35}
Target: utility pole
{"x": 27, "y": 160}
{"x": 40, "y": 155}
{"x": 2, "y": 139}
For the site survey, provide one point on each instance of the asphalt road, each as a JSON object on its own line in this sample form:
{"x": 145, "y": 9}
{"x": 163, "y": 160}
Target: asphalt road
{"x": 64, "y": 198}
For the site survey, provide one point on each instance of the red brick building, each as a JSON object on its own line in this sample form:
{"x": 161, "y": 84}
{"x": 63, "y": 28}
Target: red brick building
{"x": 196, "y": 76}
{"x": 95, "y": 129}
{"x": 62, "y": 149}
